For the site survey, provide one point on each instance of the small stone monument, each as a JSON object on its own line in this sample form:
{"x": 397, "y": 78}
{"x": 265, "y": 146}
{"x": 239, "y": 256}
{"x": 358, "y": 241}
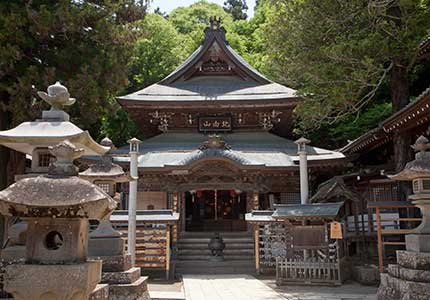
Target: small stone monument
{"x": 56, "y": 207}
{"x": 409, "y": 279}
{"x": 106, "y": 243}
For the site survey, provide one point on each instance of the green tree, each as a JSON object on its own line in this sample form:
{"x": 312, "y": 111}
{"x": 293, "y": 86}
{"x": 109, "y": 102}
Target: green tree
{"x": 192, "y": 20}
{"x": 84, "y": 44}
{"x": 341, "y": 54}
{"x": 236, "y": 8}
{"x": 159, "y": 51}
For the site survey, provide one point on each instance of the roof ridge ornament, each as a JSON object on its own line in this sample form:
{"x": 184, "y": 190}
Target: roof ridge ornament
{"x": 215, "y": 26}
{"x": 58, "y": 96}
{"x": 214, "y": 142}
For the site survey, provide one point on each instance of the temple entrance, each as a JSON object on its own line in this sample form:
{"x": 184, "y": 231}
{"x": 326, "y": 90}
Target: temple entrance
{"x": 215, "y": 210}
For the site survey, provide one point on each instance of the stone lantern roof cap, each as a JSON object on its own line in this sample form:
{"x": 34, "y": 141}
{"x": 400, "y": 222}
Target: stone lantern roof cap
{"x": 50, "y": 196}
{"x": 420, "y": 166}
{"x": 302, "y": 140}
{"x": 60, "y": 194}
{"x": 53, "y": 128}
{"x": 101, "y": 171}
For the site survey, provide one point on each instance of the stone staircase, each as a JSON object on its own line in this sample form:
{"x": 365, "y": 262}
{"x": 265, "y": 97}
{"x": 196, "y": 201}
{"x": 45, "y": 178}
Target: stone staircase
{"x": 193, "y": 254}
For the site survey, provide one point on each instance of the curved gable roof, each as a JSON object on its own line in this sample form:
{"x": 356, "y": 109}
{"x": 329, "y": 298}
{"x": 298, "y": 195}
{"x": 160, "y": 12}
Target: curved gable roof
{"x": 213, "y": 72}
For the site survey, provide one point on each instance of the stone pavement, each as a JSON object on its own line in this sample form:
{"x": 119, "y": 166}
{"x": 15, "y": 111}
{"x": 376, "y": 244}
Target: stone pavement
{"x": 246, "y": 287}
{"x": 227, "y": 287}
{"x": 348, "y": 291}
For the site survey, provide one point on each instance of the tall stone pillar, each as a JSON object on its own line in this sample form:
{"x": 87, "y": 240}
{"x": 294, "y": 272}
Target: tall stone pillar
{"x": 132, "y": 199}
{"x": 304, "y": 179}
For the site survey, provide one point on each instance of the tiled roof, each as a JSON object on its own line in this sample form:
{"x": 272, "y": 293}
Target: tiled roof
{"x": 245, "y": 148}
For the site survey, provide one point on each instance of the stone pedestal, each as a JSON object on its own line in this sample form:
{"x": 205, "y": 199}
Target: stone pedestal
{"x": 409, "y": 279}
{"x": 124, "y": 280}
{"x": 52, "y": 282}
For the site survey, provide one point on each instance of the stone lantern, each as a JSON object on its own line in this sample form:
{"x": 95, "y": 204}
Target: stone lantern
{"x": 57, "y": 207}
{"x": 410, "y": 277}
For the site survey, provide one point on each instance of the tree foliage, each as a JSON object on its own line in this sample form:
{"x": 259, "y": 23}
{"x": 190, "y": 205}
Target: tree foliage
{"x": 236, "y": 8}
{"x": 160, "y": 50}
{"x": 340, "y": 54}
{"x": 84, "y": 44}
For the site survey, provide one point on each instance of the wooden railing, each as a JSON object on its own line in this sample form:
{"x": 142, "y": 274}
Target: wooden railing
{"x": 312, "y": 271}
{"x": 383, "y": 233}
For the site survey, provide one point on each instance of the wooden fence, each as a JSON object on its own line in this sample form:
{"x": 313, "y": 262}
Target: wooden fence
{"x": 389, "y": 235}
{"x": 312, "y": 271}
{"x": 152, "y": 245}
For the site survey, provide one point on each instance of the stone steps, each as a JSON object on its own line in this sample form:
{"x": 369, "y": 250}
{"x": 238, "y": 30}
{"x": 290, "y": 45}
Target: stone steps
{"x": 194, "y": 255}
{"x": 210, "y": 267}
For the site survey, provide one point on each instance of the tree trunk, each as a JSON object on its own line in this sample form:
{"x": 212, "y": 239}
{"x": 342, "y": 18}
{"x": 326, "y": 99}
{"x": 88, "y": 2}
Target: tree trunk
{"x": 399, "y": 87}
{"x": 4, "y": 152}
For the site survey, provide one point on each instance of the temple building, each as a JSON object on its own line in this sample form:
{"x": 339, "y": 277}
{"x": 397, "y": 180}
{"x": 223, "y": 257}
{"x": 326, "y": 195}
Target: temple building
{"x": 217, "y": 142}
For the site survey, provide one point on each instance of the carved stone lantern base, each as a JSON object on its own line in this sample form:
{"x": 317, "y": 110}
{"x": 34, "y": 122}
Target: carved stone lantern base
{"x": 409, "y": 279}
{"x": 52, "y": 282}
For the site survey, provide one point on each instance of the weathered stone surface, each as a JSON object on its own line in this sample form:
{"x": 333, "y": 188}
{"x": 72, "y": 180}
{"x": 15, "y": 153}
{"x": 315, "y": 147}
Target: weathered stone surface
{"x": 13, "y": 253}
{"x": 105, "y": 246}
{"x": 73, "y": 233}
{"x": 367, "y": 275}
{"x": 43, "y": 282}
{"x": 46, "y": 196}
{"x": 117, "y": 263}
{"x": 418, "y": 242}
{"x": 128, "y": 276}
{"x": 101, "y": 292}
{"x": 409, "y": 274}
{"x": 135, "y": 291}
{"x": 393, "y": 288}
{"x": 413, "y": 260}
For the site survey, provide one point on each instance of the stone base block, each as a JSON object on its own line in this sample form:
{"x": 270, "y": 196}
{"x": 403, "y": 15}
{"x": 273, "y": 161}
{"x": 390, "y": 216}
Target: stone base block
{"x": 134, "y": 291}
{"x": 13, "y": 253}
{"x": 418, "y": 242}
{"x": 125, "y": 277}
{"x": 105, "y": 246}
{"x": 413, "y": 260}
{"x": 367, "y": 275}
{"x": 101, "y": 292}
{"x": 41, "y": 282}
{"x": 409, "y": 274}
{"x": 394, "y": 288}
{"x": 119, "y": 263}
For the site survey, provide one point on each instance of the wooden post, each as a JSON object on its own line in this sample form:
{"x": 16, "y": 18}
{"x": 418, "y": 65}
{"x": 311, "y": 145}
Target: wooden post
{"x": 167, "y": 252}
{"x": 255, "y": 203}
{"x": 257, "y": 249}
{"x": 379, "y": 234}
{"x": 216, "y": 204}
{"x": 175, "y": 209}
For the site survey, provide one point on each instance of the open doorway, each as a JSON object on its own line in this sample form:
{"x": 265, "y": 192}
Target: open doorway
{"x": 215, "y": 210}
